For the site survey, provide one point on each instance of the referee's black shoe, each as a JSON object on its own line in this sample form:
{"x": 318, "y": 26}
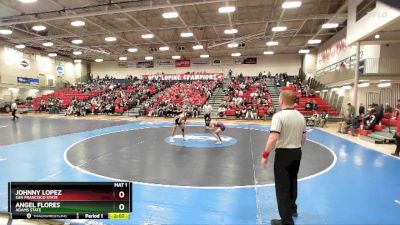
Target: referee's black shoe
{"x": 279, "y": 222}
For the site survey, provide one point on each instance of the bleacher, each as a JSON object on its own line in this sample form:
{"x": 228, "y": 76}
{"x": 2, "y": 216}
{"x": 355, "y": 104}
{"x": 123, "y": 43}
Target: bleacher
{"x": 322, "y": 104}
{"x": 381, "y": 133}
{"x": 66, "y": 95}
{"x": 261, "y": 110}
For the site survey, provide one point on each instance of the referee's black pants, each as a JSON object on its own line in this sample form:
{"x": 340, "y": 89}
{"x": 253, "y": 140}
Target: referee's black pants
{"x": 286, "y": 168}
{"x": 207, "y": 119}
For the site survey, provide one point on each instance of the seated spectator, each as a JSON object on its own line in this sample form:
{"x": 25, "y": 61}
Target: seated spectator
{"x": 312, "y": 119}
{"x": 243, "y": 112}
{"x": 271, "y": 111}
{"x": 238, "y": 112}
{"x": 308, "y": 106}
{"x": 221, "y": 111}
{"x": 314, "y": 106}
{"x": 323, "y": 118}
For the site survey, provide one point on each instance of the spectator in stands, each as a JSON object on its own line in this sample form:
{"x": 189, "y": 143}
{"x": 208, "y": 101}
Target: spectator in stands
{"x": 323, "y": 118}
{"x": 312, "y": 119}
{"x": 308, "y": 106}
{"x": 221, "y": 111}
{"x": 249, "y": 109}
{"x": 314, "y": 105}
{"x": 271, "y": 111}
{"x": 237, "y": 112}
{"x": 370, "y": 118}
{"x": 243, "y": 111}
{"x": 361, "y": 109}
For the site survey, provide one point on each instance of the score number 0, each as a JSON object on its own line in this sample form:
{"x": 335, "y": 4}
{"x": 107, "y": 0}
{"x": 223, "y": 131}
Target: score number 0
{"x": 121, "y": 195}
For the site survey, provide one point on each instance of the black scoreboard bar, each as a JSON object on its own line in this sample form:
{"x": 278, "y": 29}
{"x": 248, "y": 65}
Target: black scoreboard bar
{"x": 69, "y": 200}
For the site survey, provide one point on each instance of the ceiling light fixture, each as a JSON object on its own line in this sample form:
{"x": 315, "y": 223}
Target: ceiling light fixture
{"x": 187, "y": 34}
{"x": 230, "y": 31}
{"x": 272, "y": 43}
{"x": 132, "y": 49}
{"x": 52, "y": 54}
{"x": 233, "y": 45}
{"x": 268, "y": 53}
{"x": 279, "y": 29}
{"x": 164, "y": 48}
{"x": 176, "y": 57}
{"x": 110, "y": 39}
{"x": 148, "y": 58}
{"x": 347, "y": 87}
{"x": 77, "y": 53}
{"x": 363, "y": 85}
{"x": 291, "y": 5}
{"x": 20, "y": 46}
{"x": 237, "y": 54}
{"x": 123, "y": 58}
{"x": 170, "y": 15}
{"x": 314, "y": 42}
{"x": 48, "y": 44}
{"x": 77, "y": 41}
{"x": 384, "y": 85}
{"x": 78, "y": 23}
{"x": 204, "y": 56}
{"x": 329, "y": 25}
{"x": 147, "y": 36}
{"x": 99, "y": 60}
{"x": 6, "y": 31}
{"x": 39, "y": 28}
{"x": 226, "y": 9}
{"x": 198, "y": 47}
{"x": 304, "y": 51}
{"x": 377, "y": 36}
{"x": 27, "y": 1}
{"x": 77, "y": 61}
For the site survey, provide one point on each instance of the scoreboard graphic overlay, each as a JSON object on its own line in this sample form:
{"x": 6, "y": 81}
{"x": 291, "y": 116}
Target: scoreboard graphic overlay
{"x": 70, "y": 200}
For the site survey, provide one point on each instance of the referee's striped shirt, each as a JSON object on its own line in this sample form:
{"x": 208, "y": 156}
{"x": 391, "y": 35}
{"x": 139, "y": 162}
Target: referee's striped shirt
{"x": 291, "y": 126}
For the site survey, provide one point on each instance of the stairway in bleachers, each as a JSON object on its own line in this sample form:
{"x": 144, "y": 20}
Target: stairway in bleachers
{"x": 274, "y": 93}
{"x": 218, "y": 97}
{"x": 135, "y": 111}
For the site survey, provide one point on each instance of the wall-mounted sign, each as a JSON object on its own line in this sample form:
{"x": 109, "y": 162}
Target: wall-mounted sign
{"x": 25, "y": 64}
{"x": 27, "y": 80}
{"x": 249, "y": 60}
{"x": 60, "y": 70}
{"x": 145, "y": 64}
{"x": 165, "y": 62}
{"x": 186, "y": 76}
{"x": 182, "y": 63}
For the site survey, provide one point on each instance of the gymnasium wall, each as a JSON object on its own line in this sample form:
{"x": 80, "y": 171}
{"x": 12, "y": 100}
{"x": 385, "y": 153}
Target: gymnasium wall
{"x": 40, "y": 67}
{"x": 386, "y": 12}
{"x": 336, "y": 49}
{"x": 289, "y": 63}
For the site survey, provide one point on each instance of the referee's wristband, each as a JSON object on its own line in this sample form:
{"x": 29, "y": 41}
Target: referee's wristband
{"x": 265, "y": 155}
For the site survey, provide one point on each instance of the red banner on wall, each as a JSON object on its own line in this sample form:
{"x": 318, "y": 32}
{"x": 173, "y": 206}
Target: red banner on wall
{"x": 188, "y": 76}
{"x": 182, "y": 63}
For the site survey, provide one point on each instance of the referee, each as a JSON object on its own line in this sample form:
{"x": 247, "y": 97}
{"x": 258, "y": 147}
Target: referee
{"x": 287, "y": 136}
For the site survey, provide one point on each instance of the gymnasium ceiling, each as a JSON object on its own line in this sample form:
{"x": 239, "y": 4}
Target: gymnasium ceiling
{"x": 127, "y": 20}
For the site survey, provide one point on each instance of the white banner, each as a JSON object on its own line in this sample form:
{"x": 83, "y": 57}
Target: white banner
{"x": 165, "y": 62}
{"x": 201, "y": 62}
{"x": 25, "y": 64}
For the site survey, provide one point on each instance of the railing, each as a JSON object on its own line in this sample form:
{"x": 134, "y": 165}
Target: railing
{"x": 347, "y": 63}
{"x": 371, "y": 66}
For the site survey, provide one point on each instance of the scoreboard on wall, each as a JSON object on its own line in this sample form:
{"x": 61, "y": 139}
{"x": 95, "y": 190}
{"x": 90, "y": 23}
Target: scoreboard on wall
{"x": 69, "y": 200}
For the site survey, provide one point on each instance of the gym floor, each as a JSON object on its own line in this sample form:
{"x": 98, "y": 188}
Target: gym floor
{"x": 197, "y": 181}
